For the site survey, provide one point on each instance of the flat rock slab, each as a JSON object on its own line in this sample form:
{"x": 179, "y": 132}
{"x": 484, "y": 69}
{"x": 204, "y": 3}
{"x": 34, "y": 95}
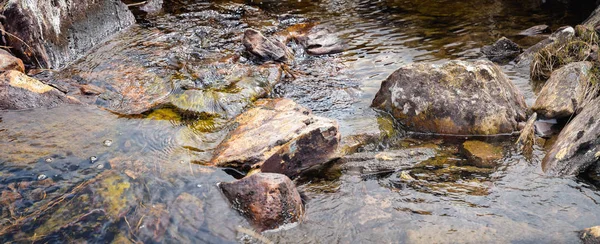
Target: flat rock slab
{"x": 481, "y": 154}
{"x": 19, "y": 91}
{"x": 55, "y": 33}
{"x": 388, "y": 161}
{"x": 267, "y": 200}
{"x": 280, "y": 136}
{"x": 562, "y": 94}
{"x": 457, "y": 98}
{"x": 9, "y": 62}
{"x": 578, "y": 145}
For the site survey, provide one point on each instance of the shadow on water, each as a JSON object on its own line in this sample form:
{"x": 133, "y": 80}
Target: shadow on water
{"x": 79, "y": 173}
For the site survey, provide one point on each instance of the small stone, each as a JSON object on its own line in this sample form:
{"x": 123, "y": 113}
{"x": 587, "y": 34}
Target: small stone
{"x": 9, "y": 62}
{"x": 93, "y": 159}
{"x": 42, "y": 177}
{"x": 404, "y": 175}
{"x": 199, "y": 185}
{"x": 89, "y": 89}
{"x": 107, "y": 143}
{"x": 502, "y": 51}
{"x": 100, "y": 166}
{"x": 481, "y": 154}
{"x": 49, "y": 160}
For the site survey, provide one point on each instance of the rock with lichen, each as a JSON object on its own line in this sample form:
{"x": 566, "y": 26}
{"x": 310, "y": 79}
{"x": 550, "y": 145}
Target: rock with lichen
{"x": 578, "y": 145}
{"x": 457, "y": 98}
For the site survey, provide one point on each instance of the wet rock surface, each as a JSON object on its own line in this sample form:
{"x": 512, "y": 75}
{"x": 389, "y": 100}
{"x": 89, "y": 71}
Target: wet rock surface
{"x": 321, "y": 40}
{"x": 265, "y": 49}
{"x": 502, "y": 51}
{"x": 9, "y": 62}
{"x": 590, "y": 235}
{"x": 268, "y": 200}
{"x": 578, "y": 144}
{"x": 563, "y": 93}
{"x": 386, "y": 162}
{"x": 481, "y": 154}
{"x": 454, "y": 98}
{"x": 19, "y": 91}
{"x": 56, "y": 33}
{"x": 278, "y": 136}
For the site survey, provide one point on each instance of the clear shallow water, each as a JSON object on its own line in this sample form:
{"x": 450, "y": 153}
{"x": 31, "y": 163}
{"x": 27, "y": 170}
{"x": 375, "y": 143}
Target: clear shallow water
{"x": 58, "y": 169}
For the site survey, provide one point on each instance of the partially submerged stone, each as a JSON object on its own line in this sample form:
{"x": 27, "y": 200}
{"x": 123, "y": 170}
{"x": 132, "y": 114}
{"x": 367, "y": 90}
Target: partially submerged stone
{"x": 502, "y": 51}
{"x": 458, "y": 98}
{"x": 387, "y": 161}
{"x": 280, "y": 136}
{"x": 267, "y": 200}
{"x": 265, "y": 49}
{"x": 578, "y": 145}
{"x": 9, "y": 62}
{"x": 52, "y": 34}
{"x": 320, "y": 40}
{"x": 19, "y": 91}
{"x": 527, "y": 138}
{"x": 562, "y": 95}
{"x": 481, "y": 154}
{"x": 536, "y": 30}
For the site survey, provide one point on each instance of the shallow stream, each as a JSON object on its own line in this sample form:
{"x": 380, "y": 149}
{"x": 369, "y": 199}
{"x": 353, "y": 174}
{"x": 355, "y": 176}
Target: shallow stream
{"x": 82, "y": 173}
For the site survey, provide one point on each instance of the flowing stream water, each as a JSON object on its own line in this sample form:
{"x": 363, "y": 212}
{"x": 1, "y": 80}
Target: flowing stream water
{"x": 80, "y": 173}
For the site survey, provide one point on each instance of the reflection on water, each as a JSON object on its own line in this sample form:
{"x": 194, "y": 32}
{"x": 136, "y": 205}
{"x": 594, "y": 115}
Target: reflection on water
{"x": 80, "y": 173}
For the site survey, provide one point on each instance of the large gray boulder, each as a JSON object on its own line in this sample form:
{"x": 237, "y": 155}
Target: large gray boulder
{"x": 278, "y": 136}
{"x": 458, "y": 98}
{"x": 578, "y": 145}
{"x": 562, "y": 95}
{"x": 54, "y": 33}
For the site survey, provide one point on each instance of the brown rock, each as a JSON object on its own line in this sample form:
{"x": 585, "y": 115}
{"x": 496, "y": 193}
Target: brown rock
{"x": 562, "y": 95}
{"x": 264, "y": 48}
{"x": 9, "y": 62}
{"x": 527, "y": 138}
{"x": 267, "y": 200}
{"x": 278, "y": 136}
{"x": 89, "y": 89}
{"x": 19, "y": 91}
{"x": 481, "y": 154}
{"x": 458, "y": 98}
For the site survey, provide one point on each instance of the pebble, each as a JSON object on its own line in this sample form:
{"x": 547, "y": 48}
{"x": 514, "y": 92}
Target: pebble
{"x": 108, "y": 143}
{"x": 42, "y": 177}
{"x": 100, "y": 166}
{"x": 93, "y": 159}
{"x": 49, "y": 160}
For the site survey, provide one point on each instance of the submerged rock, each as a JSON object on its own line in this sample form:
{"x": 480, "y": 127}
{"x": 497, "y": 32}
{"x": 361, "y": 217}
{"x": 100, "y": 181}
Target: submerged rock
{"x": 578, "y": 145}
{"x": 238, "y": 85}
{"x": 278, "y": 136}
{"x": 481, "y": 154}
{"x": 562, "y": 95}
{"x": 388, "y": 161}
{"x": 9, "y": 62}
{"x": 268, "y": 200}
{"x": 458, "y": 98}
{"x": 320, "y": 41}
{"x": 536, "y": 30}
{"x": 265, "y": 49}
{"x": 55, "y": 33}
{"x": 19, "y": 91}
{"x": 502, "y": 51}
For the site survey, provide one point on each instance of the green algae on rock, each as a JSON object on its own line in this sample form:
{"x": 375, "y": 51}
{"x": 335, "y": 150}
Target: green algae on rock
{"x": 481, "y": 154}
